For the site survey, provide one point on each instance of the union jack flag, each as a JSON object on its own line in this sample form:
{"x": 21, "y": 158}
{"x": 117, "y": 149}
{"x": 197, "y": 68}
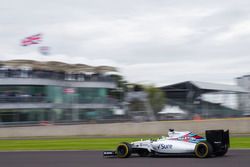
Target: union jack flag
{"x": 34, "y": 39}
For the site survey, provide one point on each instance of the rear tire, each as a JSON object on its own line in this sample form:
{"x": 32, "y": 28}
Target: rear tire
{"x": 203, "y": 150}
{"x": 124, "y": 150}
{"x": 222, "y": 152}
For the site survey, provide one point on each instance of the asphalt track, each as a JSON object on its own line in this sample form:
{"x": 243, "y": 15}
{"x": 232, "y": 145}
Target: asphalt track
{"x": 234, "y": 158}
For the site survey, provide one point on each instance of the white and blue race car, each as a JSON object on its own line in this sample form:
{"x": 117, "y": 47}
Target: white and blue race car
{"x": 216, "y": 143}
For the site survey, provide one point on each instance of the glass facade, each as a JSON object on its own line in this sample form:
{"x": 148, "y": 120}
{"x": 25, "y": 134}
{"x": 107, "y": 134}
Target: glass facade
{"x": 53, "y": 115}
{"x": 62, "y": 100}
{"x": 20, "y": 94}
{"x": 24, "y": 115}
{"x": 33, "y": 91}
{"x": 92, "y": 95}
{"x": 52, "y": 94}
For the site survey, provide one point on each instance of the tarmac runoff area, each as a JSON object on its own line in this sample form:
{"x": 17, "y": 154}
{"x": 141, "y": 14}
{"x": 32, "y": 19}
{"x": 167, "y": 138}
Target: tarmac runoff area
{"x": 234, "y": 158}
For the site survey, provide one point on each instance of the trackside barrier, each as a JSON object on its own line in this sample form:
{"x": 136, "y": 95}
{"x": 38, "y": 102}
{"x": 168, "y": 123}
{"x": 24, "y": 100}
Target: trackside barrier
{"x": 235, "y": 125}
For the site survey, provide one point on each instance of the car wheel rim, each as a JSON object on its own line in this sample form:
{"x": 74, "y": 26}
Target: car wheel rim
{"x": 122, "y": 151}
{"x": 202, "y": 150}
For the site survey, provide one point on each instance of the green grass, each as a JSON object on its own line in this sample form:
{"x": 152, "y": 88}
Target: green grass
{"x": 240, "y": 142}
{"x": 86, "y": 143}
{"x": 63, "y": 144}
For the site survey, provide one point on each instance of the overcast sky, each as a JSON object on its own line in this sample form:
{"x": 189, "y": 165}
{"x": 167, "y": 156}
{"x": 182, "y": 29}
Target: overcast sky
{"x": 150, "y": 41}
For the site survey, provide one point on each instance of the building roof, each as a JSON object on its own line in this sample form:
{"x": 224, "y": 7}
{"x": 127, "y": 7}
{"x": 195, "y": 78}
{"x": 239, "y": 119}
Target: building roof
{"x": 218, "y": 87}
{"x": 57, "y": 66}
{"x": 206, "y": 87}
{"x": 243, "y": 76}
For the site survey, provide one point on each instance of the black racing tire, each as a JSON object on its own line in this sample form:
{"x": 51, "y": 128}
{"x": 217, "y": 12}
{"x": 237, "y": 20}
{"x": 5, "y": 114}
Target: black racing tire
{"x": 143, "y": 153}
{"x": 124, "y": 150}
{"x": 222, "y": 152}
{"x": 203, "y": 150}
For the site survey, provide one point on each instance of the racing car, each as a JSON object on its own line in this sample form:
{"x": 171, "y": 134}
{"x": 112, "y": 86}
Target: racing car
{"x": 216, "y": 143}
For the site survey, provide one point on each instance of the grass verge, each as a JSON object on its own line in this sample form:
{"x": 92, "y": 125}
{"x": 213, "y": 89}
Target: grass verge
{"x": 86, "y": 143}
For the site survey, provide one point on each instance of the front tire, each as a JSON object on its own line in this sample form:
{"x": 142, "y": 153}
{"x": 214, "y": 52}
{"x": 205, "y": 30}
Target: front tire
{"x": 124, "y": 150}
{"x": 203, "y": 150}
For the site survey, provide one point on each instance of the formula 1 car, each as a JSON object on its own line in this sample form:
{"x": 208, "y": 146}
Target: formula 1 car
{"x": 216, "y": 143}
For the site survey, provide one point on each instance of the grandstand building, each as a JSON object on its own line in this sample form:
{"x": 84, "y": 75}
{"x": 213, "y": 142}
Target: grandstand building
{"x": 35, "y": 92}
{"x": 208, "y": 100}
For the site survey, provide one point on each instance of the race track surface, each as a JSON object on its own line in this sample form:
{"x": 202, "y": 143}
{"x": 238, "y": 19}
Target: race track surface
{"x": 234, "y": 158}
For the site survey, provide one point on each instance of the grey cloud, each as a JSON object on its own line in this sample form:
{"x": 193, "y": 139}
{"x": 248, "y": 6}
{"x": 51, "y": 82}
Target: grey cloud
{"x": 134, "y": 33}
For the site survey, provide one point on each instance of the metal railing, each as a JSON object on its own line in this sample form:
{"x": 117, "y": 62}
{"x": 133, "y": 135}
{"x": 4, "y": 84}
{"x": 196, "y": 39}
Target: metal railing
{"x": 22, "y": 99}
{"x": 55, "y": 76}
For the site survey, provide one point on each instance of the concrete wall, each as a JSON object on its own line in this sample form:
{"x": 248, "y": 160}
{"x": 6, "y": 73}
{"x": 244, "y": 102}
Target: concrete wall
{"x": 241, "y": 125}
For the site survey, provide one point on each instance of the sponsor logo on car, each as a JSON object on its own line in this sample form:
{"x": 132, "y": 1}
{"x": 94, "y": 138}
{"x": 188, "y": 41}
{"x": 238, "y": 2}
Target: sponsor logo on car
{"x": 165, "y": 146}
{"x": 143, "y": 145}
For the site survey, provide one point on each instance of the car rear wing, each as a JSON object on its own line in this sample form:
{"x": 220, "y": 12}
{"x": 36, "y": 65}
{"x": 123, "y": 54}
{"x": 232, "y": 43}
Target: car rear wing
{"x": 218, "y": 138}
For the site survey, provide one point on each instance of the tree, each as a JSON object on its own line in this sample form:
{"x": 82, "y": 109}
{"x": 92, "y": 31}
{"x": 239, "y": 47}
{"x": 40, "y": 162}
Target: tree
{"x": 121, "y": 89}
{"x": 156, "y": 98}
